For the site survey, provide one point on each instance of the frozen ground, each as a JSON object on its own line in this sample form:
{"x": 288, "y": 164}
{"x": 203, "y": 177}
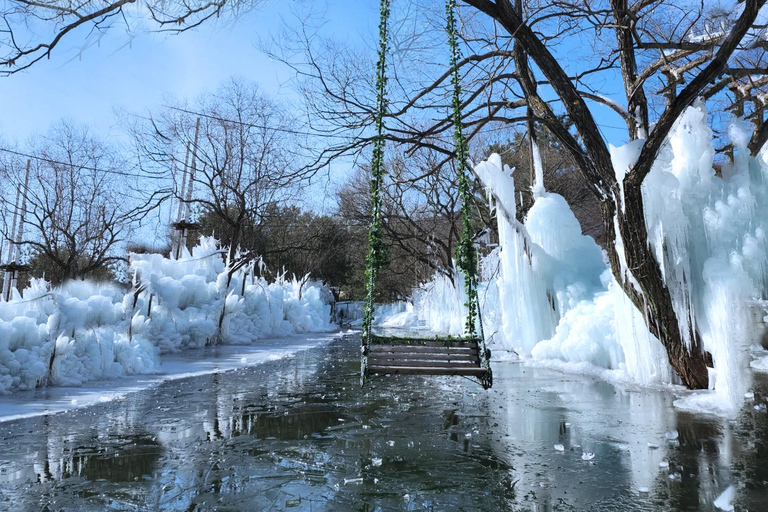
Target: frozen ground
{"x": 191, "y": 363}
{"x": 299, "y": 434}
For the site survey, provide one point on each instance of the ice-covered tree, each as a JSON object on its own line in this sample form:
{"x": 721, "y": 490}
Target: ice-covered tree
{"x": 556, "y": 64}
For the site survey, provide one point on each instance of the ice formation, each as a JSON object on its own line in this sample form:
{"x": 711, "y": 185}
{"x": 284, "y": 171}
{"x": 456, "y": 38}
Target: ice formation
{"x": 708, "y": 234}
{"x": 547, "y": 292}
{"x": 724, "y": 501}
{"x": 84, "y": 331}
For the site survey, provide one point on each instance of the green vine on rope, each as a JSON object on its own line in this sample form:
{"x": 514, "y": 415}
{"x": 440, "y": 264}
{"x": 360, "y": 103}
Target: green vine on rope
{"x": 378, "y": 254}
{"x": 466, "y": 254}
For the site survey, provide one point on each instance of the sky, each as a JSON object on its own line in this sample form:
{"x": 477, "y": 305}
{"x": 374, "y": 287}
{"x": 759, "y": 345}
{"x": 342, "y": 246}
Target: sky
{"x": 135, "y": 74}
{"x": 88, "y": 78}
{"x": 97, "y": 81}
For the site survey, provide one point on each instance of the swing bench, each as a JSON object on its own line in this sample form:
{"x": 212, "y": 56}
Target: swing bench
{"x": 425, "y": 356}
{"x": 465, "y": 356}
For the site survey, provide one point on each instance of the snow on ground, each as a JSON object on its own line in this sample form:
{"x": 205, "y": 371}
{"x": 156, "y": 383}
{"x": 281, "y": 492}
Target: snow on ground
{"x": 84, "y": 331}
{"x": 547, "y": 294}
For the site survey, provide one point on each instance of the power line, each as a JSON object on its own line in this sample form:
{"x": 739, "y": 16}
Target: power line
{"x": 285, "y": 130}
{"x": 251, "y": 125}
{"x": 86, "y": 167}
{"x": 311, "y": 134}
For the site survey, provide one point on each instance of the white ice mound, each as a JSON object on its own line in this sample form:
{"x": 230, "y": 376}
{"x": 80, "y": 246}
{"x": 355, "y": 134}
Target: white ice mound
{"x": 83, "y": 331}
{"x": 724, "y": 501}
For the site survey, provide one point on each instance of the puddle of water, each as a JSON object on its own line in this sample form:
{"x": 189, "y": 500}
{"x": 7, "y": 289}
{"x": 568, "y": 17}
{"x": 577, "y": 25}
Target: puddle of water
{"x": 300, "y": 434}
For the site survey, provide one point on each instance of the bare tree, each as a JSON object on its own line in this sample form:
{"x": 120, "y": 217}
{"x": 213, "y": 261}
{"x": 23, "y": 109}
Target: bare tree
{"x": 421, "y": 214}
{"x": 642, "y": 278}
{"x": 243, "y": 160}
{"x": 78, "y": 208}
{"x": 30, "y": 29}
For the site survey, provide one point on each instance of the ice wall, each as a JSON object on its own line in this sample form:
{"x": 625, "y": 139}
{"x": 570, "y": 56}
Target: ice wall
{"x": 547, "y": 267}
{"x": 547, "y": 292}
{"x": 708, "y": 233}
{"x": 83, "y": 331}
{"x": 438, "y": 306}
{"x": 526, "y": 300}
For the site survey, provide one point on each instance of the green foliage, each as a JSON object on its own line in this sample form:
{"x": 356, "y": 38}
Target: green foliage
{"x": 377, "y": 249}
{"x": 466, "y": 254}
{"x": 292, "y": 240}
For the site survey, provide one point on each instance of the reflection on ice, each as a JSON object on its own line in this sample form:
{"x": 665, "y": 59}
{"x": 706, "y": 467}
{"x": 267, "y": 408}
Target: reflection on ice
{"x": 300, "y": 433}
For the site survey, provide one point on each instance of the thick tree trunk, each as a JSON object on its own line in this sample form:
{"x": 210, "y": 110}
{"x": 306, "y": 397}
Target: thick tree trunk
{"x": 653, "y": 299}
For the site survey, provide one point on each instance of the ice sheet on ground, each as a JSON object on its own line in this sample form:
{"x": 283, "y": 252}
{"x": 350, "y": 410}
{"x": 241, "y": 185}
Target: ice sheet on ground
{"x": 193, "y": 362}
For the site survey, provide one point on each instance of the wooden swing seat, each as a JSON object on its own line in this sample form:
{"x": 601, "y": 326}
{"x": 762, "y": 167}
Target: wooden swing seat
{"x": 422, "y": 356}
{"x": 425, "y": 356}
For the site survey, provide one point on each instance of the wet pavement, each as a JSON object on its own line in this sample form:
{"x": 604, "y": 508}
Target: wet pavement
{"x": 300, "y": 434}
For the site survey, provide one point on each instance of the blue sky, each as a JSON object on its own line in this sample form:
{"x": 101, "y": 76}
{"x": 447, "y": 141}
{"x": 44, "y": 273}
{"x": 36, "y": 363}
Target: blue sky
{"x": 136, "y": 74}
{"x": 122, "y": 75}
{"x": 117, "y": 75}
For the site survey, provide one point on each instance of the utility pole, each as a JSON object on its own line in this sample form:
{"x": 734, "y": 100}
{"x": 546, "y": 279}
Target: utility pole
{"x": 182, "y": 225}
{"x": 12, "y": 268}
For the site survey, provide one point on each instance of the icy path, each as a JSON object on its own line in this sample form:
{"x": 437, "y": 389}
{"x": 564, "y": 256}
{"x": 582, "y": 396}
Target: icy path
{"x": 300, "y": 434}
{"x": 203, "y": 361}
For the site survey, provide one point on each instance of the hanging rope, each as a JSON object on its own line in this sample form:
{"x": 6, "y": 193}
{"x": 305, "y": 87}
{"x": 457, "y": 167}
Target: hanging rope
{"x": 378, "y": 256}
{"x": 466, "y": 254}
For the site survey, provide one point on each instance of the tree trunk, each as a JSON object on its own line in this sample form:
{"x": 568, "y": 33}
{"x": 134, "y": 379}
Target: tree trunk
{"x": 653, "y": 299}
{"x": 637, "y": 104}
{"x": 235, "y": 241}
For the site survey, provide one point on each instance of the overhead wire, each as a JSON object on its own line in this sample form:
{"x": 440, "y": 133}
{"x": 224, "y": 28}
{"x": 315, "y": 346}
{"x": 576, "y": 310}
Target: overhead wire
{"x": 139, "y": 174}
{"x": 251, "y": 125}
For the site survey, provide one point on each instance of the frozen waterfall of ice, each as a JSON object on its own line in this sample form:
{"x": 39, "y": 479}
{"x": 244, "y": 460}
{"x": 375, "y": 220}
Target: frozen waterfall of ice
{"x": 547, "y": 292}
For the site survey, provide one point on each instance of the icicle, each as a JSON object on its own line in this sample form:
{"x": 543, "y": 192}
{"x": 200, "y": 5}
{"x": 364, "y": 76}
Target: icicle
{"x": 538, "y": 185}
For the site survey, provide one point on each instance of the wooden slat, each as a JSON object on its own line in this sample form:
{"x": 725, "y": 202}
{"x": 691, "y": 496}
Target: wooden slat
{"x": 419, "y": 349}
{"x": 429, "y": 357}
{"x": 409, "y": 370}
{"x": 396, "y": 340}
{"x": 429, "y": 343}
{"x": 422, "y": 363}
